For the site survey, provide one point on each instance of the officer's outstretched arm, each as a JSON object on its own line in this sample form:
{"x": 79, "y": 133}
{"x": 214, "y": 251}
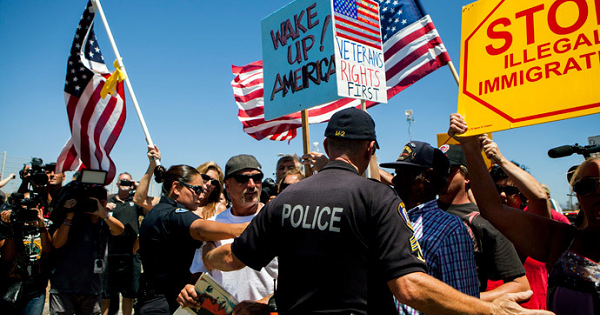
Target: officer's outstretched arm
{"x": 429, "y": 295}
{"x": 224, "y": 259}
{"x": 206, "y": 230}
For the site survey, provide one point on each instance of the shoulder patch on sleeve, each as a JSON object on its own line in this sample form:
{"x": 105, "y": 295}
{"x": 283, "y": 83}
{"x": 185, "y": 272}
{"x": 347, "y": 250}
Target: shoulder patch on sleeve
{"x": 415, "y": 248}
{"x": 180, "y": 210}
{"x": 404, "y": 215}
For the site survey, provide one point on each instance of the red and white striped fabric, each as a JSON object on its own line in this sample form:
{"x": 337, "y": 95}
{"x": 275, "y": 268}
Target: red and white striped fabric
{"x": 248, "y": 91}
{"x": 95, "y": 122}
{"x": 412, "y": 49}
{"x": 411, "y": 44}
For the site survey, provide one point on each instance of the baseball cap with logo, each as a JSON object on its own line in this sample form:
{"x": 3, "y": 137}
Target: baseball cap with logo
{"x": 455, "y": 154}
{"x": 423, "y": 155}
{"x": 352, "y": 123}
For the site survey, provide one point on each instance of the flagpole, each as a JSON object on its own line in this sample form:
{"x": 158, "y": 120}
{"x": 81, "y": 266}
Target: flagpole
{"x": 127, "y": 82}
{"x": 363, "y": 106}
{"x": 306, "y": 140}
{"x": 453, "y": 70}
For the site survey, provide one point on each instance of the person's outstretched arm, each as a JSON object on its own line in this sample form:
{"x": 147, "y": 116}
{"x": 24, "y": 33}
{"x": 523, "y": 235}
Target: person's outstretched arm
{"x": 8, "y": 178}
{"x": 519, "y": 284}
{"x": 538, "y": 201}
{"x": 222, "y": 258}
{"x": 531, "y": 234}
{"x": 141, "y": 197}
{"x": 208, "y": 230}
{"x": 431, "y": 296}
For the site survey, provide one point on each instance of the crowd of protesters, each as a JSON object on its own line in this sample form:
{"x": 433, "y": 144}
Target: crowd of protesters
{"x": 441, "y": 235}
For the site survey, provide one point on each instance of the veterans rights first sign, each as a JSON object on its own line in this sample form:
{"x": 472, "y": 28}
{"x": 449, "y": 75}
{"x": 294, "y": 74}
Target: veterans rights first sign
{"x": 318, "y": 51}
{"x": 358, "y": 54}
{"x": 528, "y": 62}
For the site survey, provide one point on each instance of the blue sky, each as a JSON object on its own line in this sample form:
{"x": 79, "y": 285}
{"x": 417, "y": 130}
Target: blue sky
{"x": 178, "y": 55}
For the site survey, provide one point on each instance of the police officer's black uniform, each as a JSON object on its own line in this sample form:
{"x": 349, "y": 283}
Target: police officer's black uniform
{"x": 167, "y": 250}
{"x": 339, "y": 238}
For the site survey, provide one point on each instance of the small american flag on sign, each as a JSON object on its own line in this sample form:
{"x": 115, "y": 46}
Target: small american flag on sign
{"x": 358, "y": 20}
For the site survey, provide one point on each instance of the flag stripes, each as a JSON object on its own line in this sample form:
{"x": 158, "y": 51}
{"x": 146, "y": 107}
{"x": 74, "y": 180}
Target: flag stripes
{"x": 95, "y": 123}
{"x": 412, "y": 49}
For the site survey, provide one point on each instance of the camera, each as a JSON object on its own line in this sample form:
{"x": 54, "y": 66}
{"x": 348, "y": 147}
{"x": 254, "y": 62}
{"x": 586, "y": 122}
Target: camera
{"x": 269, "y": 188}
{"x": 24, "y": 208}
{"x": 124, "y": 182}
{"x": 37, "y": 172}
{"x": 24, "y": 212}
{"x": 89, "y": 184}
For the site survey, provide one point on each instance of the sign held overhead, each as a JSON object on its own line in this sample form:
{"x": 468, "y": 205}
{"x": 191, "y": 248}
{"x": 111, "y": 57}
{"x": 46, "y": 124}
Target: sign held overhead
{"x": 528, "y": 62}
{"x": 318, "y": 51}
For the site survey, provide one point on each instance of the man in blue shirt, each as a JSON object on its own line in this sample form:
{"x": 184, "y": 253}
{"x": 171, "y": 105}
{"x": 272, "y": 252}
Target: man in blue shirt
{"x": 421, "y": 174}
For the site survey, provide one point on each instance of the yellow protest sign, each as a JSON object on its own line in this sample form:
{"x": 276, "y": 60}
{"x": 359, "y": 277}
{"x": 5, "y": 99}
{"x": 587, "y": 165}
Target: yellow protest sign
{"x": 526, "y": 62}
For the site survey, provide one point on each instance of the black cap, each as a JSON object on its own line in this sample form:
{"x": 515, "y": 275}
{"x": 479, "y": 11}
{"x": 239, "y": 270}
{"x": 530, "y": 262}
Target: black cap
{"x": 352, "y": 123}
{"x": 423, "y": 155}
{"x": 241, "y": 162}
{"x": 455, "y": 154}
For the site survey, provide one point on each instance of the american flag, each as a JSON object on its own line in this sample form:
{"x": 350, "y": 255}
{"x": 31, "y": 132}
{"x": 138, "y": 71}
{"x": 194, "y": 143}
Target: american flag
{"x": 357, "y": 20}
{"x": 412, "y": 49}
{"x": 411, "y": 44}
{"x": 248, "y": 91}
{"x": 95, "y": 123}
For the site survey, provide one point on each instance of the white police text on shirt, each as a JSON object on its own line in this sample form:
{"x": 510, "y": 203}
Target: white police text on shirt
{"x": 322, "y": 218}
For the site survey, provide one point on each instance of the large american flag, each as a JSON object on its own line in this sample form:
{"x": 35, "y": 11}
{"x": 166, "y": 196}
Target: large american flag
{"x": 412, "y": 49}
{"x": 357, "y": 20}
{"x": 95, "y": 123}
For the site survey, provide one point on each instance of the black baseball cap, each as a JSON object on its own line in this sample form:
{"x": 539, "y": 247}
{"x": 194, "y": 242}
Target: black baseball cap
{"x": 241, "y": 162}
{"x": 455, "y": 154}
{"x": 352, "y": 123}
{"x": 423, "y": 155}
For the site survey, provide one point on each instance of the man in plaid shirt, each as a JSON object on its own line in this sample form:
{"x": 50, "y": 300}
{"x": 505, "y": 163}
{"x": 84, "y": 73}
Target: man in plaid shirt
{"x": 421, "y": 174}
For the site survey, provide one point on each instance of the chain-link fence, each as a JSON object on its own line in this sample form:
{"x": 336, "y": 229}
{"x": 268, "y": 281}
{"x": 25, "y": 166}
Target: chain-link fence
{"x": 13, "y": 164}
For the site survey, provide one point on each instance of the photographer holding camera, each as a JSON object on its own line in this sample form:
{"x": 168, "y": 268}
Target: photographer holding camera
{"x": 79, "y": 235}
{"x": 42, "y": 179}
{"x": 123, "y": 265}
{"x": 24, "y": 264}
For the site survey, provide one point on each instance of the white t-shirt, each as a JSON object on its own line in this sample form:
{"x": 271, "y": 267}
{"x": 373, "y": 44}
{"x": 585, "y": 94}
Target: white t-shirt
{"x": 197, "y": 264}
{"x": 246, "y": 283}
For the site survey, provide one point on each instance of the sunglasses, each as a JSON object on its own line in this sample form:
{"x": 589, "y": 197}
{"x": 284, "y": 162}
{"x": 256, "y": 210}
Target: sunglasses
{"x": 508, "y": 190}
{"x": 586, "y": 186}
{"x": 197, "y": 189}
{"x": 242, "y": 179}
{"x": 209, "y": 179}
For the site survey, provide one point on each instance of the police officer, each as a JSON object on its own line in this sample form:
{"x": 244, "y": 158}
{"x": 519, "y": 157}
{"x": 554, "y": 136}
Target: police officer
{"x": 169, "y": 236}
{"x": 343, "y": 241}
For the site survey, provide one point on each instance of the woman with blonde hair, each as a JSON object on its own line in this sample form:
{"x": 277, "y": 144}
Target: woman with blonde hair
{"x": 211, "y": 173}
